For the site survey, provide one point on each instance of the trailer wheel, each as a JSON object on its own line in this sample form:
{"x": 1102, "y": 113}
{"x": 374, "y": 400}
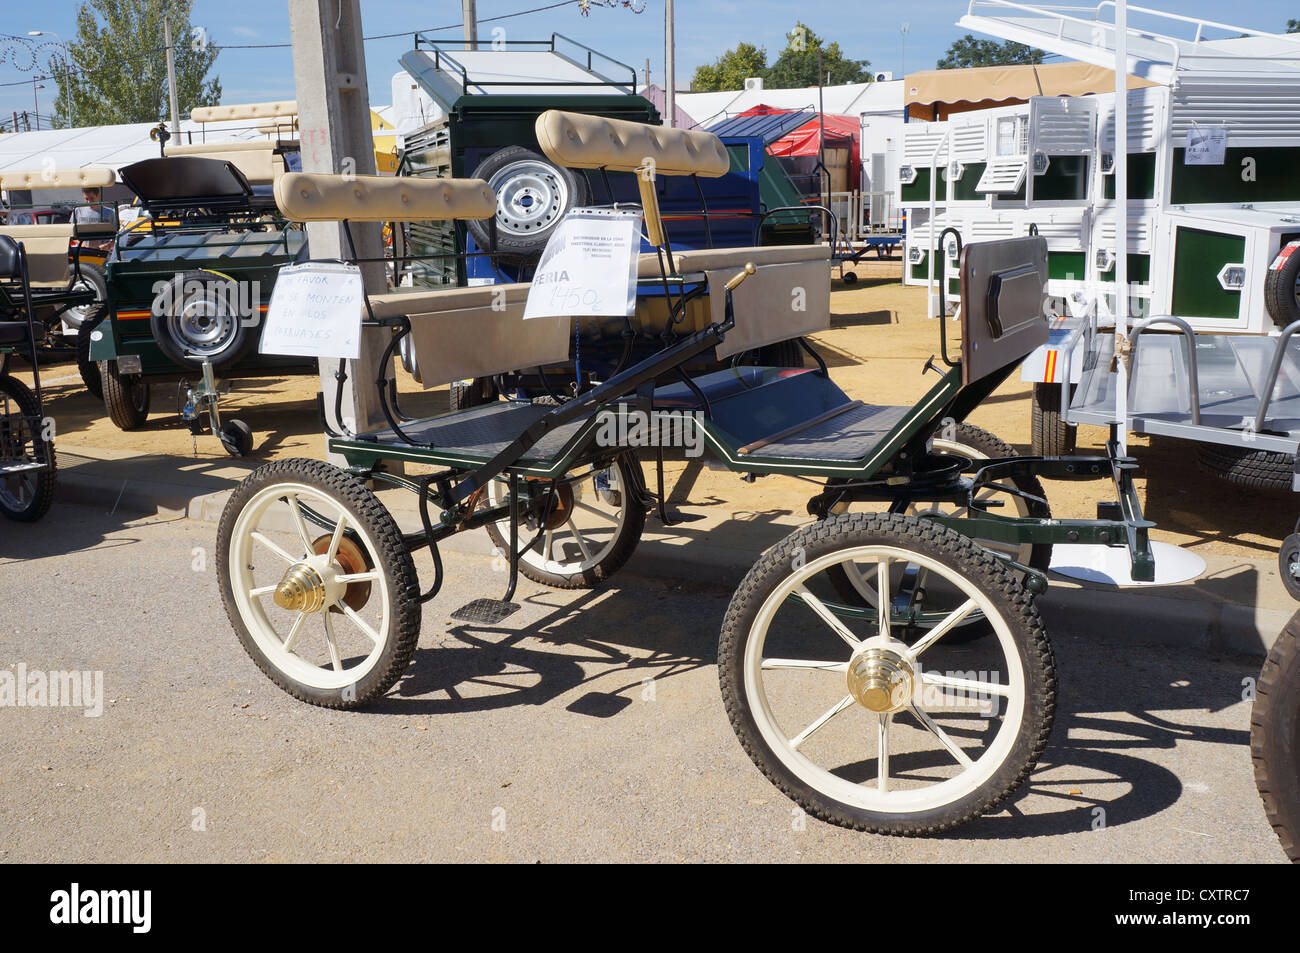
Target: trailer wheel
{"x": 533, "y": 195}
{"x": 1282, "y": 286}
{"x": 25, "y": 496}
{"x": 853, "y": 718}
{"x": 1264, "y": 469}
{"x": 589, "y": 526}
{"x": 1275, "y": 737}
{"x": 126, "y": 396}
{"x": 1051, "y": 436}
{"x": 92, "y": 279}
{"x": 197, "y": 317}
{"x": 89, "y": 370}
{"x": 317, "y": 582}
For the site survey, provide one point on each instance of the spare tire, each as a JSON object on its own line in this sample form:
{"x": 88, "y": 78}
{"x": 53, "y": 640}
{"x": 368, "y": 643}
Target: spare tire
{"x": 197, "y": 316}
{"x": 533, "y": 195}
{"x": 1282, "y": 286}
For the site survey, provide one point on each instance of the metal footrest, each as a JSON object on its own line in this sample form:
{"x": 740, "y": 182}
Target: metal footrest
{"x": 485, "y": 611}
{"x": 7, "y": 469}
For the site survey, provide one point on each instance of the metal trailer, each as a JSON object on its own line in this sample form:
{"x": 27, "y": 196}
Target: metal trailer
{"x": 884, "y": 666}
{"x": 186, "y": 291}
{"x": 1207, "y": 241}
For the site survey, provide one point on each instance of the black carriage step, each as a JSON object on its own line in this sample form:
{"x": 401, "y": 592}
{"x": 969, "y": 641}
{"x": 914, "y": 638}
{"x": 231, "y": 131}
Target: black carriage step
{"x": 485, "y": 611}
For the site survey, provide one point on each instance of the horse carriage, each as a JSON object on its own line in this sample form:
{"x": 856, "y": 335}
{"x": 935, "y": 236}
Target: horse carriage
{"x": 885, "y": 665}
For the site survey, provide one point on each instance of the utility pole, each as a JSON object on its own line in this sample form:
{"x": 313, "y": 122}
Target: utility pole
{"x": 470, "y": 15}
{"x": 329, "y": 73}
{"x": 36, "y": 103}
{"x": 902, "y": 57}
{"x": 171, "y": 78}
{"x": 670, "y": 66}
{"x": 647, "y": 72}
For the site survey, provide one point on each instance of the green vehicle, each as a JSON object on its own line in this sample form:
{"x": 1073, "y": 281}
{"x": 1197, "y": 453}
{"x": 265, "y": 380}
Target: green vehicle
{"x": 187, "y": 290}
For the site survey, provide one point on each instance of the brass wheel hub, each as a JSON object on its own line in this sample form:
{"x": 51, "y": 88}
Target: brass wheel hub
{"x": 881, "y": 677}
{"x": 301, "y": 590}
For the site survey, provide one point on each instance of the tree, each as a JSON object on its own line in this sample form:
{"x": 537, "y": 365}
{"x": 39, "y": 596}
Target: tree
{"x": 1293, "y": 26}
{"x": 731, "y": 69}
{"x": 969, "y": 51}
{"x": 797, "y": 65}
{"x": 119, "y": 64}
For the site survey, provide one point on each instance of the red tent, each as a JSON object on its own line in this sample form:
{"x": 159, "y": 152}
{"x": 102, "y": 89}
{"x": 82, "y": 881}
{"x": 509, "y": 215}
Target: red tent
{"x": 841, "y": 132}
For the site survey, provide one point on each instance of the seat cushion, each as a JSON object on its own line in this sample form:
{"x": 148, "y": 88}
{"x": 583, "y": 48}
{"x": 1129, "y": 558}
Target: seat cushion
{"x": 412, "y": 301}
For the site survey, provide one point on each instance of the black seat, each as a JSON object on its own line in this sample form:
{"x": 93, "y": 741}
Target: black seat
{"x": 13, "y": 332}
{"x": 8, "y": 257}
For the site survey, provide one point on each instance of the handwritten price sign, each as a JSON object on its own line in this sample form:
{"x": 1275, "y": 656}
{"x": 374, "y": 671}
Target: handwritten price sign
{"x": 588, "y": 267}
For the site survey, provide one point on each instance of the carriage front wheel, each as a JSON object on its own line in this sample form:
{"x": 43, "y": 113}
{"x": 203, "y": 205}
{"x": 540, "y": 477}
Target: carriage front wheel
{"x": 866, "y": 716}
{"x": 318, "y": 583}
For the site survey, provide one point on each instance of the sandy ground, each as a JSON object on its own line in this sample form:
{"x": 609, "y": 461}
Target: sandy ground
{"x": 877, "y": 344}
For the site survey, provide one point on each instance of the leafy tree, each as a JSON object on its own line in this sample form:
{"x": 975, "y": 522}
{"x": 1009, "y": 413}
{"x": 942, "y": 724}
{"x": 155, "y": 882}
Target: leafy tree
{"x": 1293, "y": 26}
{"x": 119, "y": 64}
{"x": 968, "y": 51}
{"x": 731, "y": 69}
{"x": 796, "y": 67}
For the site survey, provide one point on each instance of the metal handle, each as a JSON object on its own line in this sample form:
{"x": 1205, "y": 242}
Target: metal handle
{"x": 748, "y": 270}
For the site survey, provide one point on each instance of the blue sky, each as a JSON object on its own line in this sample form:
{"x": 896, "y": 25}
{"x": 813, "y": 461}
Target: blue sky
{"x": 705, "y": 28}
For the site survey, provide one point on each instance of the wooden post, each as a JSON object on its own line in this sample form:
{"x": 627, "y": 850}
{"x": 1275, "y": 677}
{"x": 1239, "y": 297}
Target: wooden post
{"x": 329, "y": 71}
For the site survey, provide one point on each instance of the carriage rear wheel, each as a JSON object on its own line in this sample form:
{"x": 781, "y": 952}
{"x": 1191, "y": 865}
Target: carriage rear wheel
{"x": 26, "y": 451}
{"x": 318, "y": 583}
{"x": 872, "y": 719}
{"x": 589, "y": 523}
{"x": 1275, "y": 737}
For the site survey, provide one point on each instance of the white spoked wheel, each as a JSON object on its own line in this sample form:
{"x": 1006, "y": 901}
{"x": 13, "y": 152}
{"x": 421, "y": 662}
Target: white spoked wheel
{"x": 868, "y": 717}
{"x": 587, "y": 523}
{"x": 318, "y": 583}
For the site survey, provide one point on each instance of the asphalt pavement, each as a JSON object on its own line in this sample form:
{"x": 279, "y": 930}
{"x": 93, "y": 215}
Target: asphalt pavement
{"x": 587, "y": 726}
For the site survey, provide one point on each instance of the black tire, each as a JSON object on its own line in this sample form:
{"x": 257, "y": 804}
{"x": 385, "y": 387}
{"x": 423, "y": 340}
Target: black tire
{"x": 960, "y": 556}
{"x": 614, "y": 551}
{"x": 89, "y": 369}
{"x": 24, "y": 497}
{"x": 850, "y": 277}
{"x": 1275, "y": 737}
{"x": 126, "y": 396}
{"x": 197, "y": 316}
{"x": 1282, "y": 286}
{"x": 781, "y": 354}
{"x": 398, "y": 576}
{"x": 1264, "y": 469}
{"x": 1051, "y": 436}
{"x": 533, "y": 195}
{"x": 237, "y": 437}
{"x": 92, "y": 278}
{"x": 481, "y": 390}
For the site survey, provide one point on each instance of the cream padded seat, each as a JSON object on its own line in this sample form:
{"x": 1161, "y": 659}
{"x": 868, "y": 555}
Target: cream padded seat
{"x": 47, "y": 251}
{"x": 414, "y": 301}
{"x": 580, "y": 141}
{"x": 320, "y": 197}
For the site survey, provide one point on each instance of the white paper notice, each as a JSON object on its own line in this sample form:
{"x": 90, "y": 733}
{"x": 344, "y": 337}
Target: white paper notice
{"x": 588, "y": 267}
{"x": 1205, "y": 145}
{"x": 315, "y": 311}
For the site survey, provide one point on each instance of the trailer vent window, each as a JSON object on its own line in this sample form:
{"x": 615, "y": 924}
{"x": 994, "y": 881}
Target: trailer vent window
{"x": 1108, "y": 163}
{"x": 1003, "y": 175}
{"x": 916, "y": 254}
{"x": 906, "y": 175}
{"x": 1040, "y": 163}
{"x": 955, "y": 169}
{"x": 1232, "y": 277}
{"x": 1105, "y": 260}
{"x": 1013, "y": 136}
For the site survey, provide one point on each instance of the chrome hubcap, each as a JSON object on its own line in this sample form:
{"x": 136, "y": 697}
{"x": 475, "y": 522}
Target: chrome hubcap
{"x": 881, "y": 676}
